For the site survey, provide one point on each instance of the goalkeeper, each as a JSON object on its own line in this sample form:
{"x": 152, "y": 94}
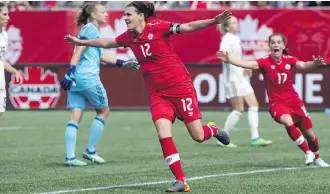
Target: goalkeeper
{"x": 82, "y": 81}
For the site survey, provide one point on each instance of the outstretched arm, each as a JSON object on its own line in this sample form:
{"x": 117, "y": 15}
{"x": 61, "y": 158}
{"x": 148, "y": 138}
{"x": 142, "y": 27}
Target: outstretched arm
{"x": 319, "y": 61}
{"x": 224, "y": 56}
{"x": 100, "y": 42}
{"x": 109, "y": 59}
{"x": 200, "y": 24}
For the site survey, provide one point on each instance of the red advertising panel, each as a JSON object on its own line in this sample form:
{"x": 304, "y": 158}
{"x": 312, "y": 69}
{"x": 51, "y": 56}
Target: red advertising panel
{"x": 37, "y": 37}
{"x": 126, "y": 88}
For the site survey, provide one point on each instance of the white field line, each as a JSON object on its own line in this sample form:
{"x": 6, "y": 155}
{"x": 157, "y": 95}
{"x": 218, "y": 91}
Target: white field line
{"x": 9, "y": 128}
{"x": 169, "y": 181}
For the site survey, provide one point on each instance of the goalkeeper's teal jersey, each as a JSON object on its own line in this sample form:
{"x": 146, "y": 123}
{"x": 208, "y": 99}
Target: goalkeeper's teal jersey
{"x": 87, "y": 73}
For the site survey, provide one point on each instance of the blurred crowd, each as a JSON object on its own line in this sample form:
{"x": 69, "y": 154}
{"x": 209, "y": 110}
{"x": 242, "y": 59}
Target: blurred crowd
{"x": 165, "y": 5}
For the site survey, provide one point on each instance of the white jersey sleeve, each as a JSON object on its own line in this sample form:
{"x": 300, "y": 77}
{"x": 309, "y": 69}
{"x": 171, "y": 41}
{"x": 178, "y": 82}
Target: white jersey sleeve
{"x": 3, "y": 51}
{"x": 232, "y": 44}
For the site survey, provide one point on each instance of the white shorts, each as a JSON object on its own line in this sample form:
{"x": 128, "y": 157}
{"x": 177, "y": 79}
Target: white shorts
{"x": 3, "y": 100}
{"x": 238, "y": 88}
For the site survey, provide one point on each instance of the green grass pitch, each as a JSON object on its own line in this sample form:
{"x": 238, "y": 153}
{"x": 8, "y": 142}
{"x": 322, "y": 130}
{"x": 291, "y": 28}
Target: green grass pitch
{"x": 32, "y": 157}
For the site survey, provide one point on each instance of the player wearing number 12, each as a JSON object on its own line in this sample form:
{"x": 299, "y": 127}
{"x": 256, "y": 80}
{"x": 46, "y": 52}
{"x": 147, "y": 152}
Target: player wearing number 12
{"x": 285, "y": 105}
{"x": 172, "y": 94}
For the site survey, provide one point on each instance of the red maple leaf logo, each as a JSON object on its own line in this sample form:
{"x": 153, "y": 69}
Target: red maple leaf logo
{"x": 39, "y": 90}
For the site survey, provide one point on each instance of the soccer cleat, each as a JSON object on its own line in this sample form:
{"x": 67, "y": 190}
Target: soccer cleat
{"x": 260, "y": 142}
{"x": 309, "y": 158}
{"x": 230, "y": 145}
{"x": 73, "y": 162}
{"x": 320, "y": 163}
{"x": 179, "y": 186}
{"x": 92, "y": 156}
{"x": 222, "y": 136}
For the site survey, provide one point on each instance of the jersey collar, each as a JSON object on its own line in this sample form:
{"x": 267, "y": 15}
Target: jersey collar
{"x": 274, "y": 61}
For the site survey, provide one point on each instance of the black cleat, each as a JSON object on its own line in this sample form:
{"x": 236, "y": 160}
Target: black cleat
{"x": 222, "y": 136}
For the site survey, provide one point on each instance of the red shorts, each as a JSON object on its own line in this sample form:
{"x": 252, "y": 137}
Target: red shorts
{"x": 296, "y": 109}
{"x": 179, "y": 101}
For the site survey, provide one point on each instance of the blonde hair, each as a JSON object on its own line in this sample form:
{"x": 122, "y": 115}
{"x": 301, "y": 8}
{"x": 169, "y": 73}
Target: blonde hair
{"x": 223, "y": 26}
{"x": 86, "y": 12}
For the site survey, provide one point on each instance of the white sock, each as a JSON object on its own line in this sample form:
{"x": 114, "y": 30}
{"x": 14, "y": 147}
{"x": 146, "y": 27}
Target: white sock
{"x": 232, "y": 120}
{"x": 254, "y": 122}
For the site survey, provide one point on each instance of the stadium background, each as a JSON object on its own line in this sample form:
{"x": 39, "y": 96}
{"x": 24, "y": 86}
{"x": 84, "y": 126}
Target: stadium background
{"x": 32, "y": 143}
{"x": 37, "y": 48}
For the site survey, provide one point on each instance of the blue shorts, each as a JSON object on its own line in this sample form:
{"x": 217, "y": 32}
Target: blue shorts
{"x": 96, "y": 96}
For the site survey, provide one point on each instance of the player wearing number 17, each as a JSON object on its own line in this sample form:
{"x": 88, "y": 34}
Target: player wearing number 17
{"x": 285, "y": 105}
{"x": 172, "y": 94}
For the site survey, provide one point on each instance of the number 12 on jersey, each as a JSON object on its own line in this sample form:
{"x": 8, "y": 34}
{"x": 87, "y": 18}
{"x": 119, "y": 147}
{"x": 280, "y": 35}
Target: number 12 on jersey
{"x": 145, "y": 50}
{"x": 282, "y": 77}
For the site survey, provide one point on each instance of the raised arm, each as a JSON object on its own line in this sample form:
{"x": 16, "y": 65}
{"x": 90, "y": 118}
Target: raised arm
{"x": 224, "y": 56}
{"x": 200, "y": 24}
{"x": 100, "y": 42}
{"x": 317, "y": 61}
{"x": 109, "y": 59}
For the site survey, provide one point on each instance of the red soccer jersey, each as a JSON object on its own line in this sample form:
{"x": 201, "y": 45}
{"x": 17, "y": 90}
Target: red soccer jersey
{"x": 160, "y": 66}
{"x": 278, "y": 77}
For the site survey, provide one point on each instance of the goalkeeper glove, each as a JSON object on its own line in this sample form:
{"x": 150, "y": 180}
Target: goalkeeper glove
{"x": 132, "y": 64}
{"x": 68, "y": 79}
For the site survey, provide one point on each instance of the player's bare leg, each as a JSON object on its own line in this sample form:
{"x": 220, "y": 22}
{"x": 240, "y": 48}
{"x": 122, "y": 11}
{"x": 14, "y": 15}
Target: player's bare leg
{"x": 314, "y": 146}
{"x": 201, "y": 133}
{"x": 171, "y": 155}
{"x": 253, "y": 117}
{"x": 295, "y": 134}
{"x": 71, "y": 139}
{"x": 96, "y": 132}
{"x": 238, "y": 107}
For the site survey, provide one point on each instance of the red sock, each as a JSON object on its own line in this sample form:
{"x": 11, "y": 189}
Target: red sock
{"x": 209, "y": 131}
{"x": 172, "y": 158}
{"x": 314, "y": 145}
{"x": 296, "y": 136}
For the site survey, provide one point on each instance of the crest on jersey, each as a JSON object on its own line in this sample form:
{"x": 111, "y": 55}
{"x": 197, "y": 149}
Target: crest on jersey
{"x": 287, "y": 67}
{"x": 39, "y": 90}
{"x": 15, "y": 47}
{"x": 150, "y": 36}
{"x": 273, "y": 67}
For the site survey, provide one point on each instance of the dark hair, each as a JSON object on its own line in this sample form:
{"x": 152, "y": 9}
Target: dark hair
{"x": 2, "y": 5}
{"x": 145, "y": 7}
{"x": 285, "y": 51}
{"x": 85, "y": 13}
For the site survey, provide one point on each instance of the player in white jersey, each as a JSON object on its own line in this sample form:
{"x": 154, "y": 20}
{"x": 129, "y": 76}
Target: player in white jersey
{"x": 4, "y": 65}
{"x": 238, "y": 90}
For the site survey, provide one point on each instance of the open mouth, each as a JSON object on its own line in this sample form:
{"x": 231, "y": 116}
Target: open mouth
{"x": 276, "y": 50}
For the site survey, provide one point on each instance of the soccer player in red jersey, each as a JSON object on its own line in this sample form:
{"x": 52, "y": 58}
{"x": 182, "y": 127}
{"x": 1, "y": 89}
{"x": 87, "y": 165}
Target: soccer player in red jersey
{"x": 172, "y": 94}
{"x": 285, "y": 105}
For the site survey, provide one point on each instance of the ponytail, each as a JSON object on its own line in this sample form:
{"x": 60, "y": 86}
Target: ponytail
{"x": 83, "y": 16}
{"x": 85, "y": 13}
{"x": 286, "y": 51}
{"x": 150, "y": 9}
